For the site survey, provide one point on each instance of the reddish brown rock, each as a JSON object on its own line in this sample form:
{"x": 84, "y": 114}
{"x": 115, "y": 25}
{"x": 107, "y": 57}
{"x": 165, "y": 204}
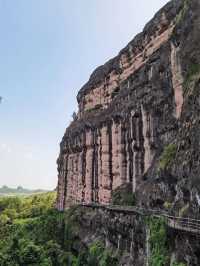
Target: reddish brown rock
{"x": 123, "y": 109}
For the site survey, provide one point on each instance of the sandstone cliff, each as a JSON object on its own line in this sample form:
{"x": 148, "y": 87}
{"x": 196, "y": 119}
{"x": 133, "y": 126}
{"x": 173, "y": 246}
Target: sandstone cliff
{"x": 132, "y": 112}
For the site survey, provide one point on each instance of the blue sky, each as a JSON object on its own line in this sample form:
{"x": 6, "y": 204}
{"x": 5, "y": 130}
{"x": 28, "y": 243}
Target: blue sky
{"x": 48, "y": 50}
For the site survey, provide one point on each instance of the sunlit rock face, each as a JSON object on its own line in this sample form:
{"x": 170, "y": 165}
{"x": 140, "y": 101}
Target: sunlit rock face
{"x": 128, "y": 111}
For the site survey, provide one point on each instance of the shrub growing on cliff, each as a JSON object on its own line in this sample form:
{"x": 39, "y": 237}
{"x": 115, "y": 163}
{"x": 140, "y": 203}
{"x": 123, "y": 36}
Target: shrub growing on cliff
{"x": 167, "y": 156}
{"x": 158, "y": 242}
{"x": 182, "y": 12}
{"x": 100, "y": 256}
{"x": 124, "y": 196}
{"x": 95, "y": 252}
{"x": 193, "y": 74}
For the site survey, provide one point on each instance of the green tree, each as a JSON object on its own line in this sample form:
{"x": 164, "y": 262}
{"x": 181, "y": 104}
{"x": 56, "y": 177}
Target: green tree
{"x": 4, "y": 219}
{"x": 30, "y": 253}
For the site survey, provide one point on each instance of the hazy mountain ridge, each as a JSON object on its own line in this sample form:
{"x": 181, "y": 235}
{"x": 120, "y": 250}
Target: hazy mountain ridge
{"x": 5, "y": 190}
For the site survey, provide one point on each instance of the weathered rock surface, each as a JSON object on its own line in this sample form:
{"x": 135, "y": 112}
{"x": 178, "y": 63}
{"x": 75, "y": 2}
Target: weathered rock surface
{"x": 127, "y": 235}
{"x": 122, "y": 233}
{"x": 130, "y": 110}
{"x": 138, "y": 123}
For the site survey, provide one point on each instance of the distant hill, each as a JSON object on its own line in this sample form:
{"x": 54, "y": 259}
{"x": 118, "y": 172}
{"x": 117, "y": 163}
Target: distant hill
{"x": 6, "y": 191}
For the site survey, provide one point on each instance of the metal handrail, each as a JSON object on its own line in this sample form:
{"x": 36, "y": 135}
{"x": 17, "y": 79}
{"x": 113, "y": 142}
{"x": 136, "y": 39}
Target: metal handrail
{"x": 179, "y": 223}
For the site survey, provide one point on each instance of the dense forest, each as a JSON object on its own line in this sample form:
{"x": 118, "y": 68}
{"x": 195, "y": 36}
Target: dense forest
{"x": 33, "y": 232}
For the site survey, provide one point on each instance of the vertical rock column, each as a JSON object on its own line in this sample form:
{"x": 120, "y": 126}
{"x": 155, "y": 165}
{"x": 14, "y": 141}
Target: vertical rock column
{"x": 123, "y": 154}
{"x": 83, "y": 166}
{"x": 65, "y": 175}
{"x": 138, "y": 149}
{"x": 61, "y": 187}
{"x": 72, "y": 184}
{"x": 72, "y": 179}
{"x": 77, "y": 171}
{"x": 115, "y": 155}
{"x": 95, "y": 181}
{"x": 74, "y": 176}
{"x": 80, "y": 176}
{"x": 177, "y": 79}
{"x": 129, "y": 149}
{"x": 69, "y": 198}
{"x": 99, "y": 151}
{"x": 148, "y": 134}
{"x": 118, "y": 155}
{"x": 105, "y": 178}
{"x": 89, "y": 164}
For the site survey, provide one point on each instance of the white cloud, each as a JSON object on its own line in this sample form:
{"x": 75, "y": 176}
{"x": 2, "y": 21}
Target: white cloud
{"x": 29, "y": 155}
{"x": 5, "y": 148}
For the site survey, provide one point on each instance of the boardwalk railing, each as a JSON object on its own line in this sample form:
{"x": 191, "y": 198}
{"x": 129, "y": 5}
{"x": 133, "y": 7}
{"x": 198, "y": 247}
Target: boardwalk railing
{"x": 179, "y": 223}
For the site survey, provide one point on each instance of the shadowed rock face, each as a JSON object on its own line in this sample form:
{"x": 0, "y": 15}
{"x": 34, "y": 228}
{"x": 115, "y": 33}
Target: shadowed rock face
{"x": 129, "y": 110}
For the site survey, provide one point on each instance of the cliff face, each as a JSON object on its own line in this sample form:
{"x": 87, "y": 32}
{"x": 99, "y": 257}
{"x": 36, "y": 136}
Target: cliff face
{"x": 130, "y": 110}
{"x": 131, "y": 238}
